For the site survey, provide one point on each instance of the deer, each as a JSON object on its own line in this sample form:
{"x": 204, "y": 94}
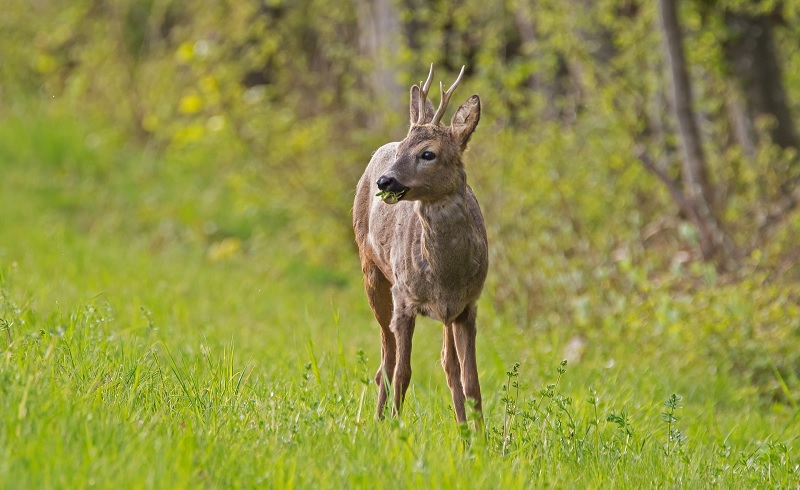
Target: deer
{"x": 423, "y": 249}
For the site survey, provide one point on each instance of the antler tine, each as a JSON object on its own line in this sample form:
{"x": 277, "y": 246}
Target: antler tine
{"x": 446, "y": 97}
{"x": 423, "y": 96}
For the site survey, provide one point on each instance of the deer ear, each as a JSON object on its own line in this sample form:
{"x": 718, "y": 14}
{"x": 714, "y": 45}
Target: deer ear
{"x": 414, "y": 107}
{"x": 465, "y": 120}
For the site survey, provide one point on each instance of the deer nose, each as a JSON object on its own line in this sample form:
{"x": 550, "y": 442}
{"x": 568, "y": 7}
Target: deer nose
{"x": 388, "y": 184}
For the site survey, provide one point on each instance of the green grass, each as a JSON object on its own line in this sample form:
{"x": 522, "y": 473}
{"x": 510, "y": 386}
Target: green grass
{"x": 140, "y": 350}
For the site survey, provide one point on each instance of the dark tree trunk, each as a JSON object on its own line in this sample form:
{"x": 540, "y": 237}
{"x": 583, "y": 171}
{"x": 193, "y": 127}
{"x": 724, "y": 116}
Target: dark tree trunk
{"x": 751, "y": 56}
{"x": 697, "y": 191}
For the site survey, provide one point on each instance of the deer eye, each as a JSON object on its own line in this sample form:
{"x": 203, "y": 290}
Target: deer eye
{"x": 428, "y": 155}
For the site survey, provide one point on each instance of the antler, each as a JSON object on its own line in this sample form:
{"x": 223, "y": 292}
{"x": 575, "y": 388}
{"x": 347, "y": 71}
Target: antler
{"x": 445, "y": 97}
{"x": 423, "y": 96}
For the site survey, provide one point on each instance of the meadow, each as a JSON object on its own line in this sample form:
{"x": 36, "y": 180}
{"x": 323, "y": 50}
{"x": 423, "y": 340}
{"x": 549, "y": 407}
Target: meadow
{"x": 136, "y": 356}
{"x": 181, "y": 301}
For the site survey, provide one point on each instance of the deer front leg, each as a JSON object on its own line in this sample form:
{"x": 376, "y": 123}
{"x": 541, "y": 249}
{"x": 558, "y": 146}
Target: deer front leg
{"x": 452, "y": 371}
{"x": 379, "y": 296}
{"x": 403, "y": 329}
{"x": 464, "y": 331}
{"x": 386, "y": 370}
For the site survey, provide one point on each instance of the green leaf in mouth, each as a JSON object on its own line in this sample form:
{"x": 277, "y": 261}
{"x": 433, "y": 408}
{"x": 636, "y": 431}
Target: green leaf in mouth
{"x": 391, "y": 197}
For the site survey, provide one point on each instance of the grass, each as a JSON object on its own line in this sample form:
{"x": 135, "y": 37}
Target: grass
{"x": 139, "y": 352}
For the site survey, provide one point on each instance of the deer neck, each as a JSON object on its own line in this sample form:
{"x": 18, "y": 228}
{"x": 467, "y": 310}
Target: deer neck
{"x": 448, "y": 238}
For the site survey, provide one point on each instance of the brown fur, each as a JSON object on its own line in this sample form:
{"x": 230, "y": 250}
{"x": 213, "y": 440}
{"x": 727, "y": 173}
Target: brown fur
{"x": 427, "y": 254}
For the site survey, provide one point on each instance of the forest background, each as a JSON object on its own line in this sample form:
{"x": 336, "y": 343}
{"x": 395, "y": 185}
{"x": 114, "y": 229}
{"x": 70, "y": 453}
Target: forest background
{"x": 178, "y": 180}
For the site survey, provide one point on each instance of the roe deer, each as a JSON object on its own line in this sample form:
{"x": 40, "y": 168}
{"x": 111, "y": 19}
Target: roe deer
{"x": 423, "y": 245}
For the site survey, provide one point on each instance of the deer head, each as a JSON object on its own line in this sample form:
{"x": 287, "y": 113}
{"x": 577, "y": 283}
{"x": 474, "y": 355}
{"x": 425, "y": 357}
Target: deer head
{"x": 427, "y": 165}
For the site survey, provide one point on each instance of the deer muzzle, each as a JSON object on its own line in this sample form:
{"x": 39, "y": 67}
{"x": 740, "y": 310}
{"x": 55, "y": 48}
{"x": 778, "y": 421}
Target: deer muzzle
{"x": 391, "y": 190}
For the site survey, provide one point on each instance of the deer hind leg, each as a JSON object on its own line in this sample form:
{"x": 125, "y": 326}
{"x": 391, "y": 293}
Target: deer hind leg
{"x": 452, "y": 371}
{"x": 464, "y": 332}
{"x": 379, "y": 296}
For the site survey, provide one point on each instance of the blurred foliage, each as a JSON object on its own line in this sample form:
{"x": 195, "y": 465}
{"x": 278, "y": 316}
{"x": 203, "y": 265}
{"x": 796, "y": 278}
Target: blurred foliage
{"x": 256, "y": 118}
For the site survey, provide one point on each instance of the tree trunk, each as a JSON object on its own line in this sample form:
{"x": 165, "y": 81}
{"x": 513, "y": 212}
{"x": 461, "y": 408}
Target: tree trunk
{"x": 379, "y": 38}
{"x": 714, "y": 244}
{"x": 541, "y": 82}
{"x": 750, "y": 53}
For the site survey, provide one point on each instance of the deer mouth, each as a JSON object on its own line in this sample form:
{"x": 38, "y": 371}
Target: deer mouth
{"x": 392, "y": 197}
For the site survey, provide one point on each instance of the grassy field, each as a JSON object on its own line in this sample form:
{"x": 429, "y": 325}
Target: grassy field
{"x": 143, "y": 348}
